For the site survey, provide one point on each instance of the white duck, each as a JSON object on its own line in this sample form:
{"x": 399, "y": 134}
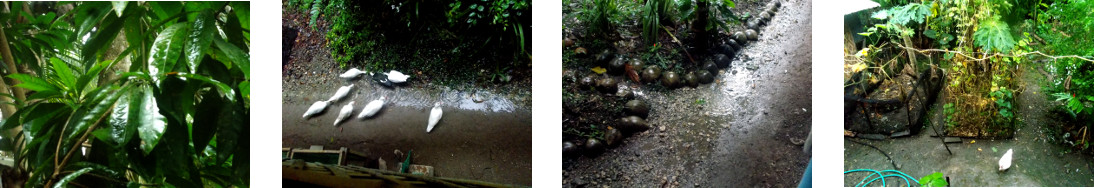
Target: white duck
{"x": 352, "y": 73}
{"x": 434, "y": 116}
{"x": 372, "y": 107}
{"x": 1004, "y": 162}
{"x": 346, "y": 112}
{"x": 316, "y": 108}
{"x": 396, "y": 76}
{"x": 341, "y": 93}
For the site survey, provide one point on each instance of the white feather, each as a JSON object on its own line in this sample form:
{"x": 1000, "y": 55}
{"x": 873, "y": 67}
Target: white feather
{"x": 341, "y": 93}
{"x": 316, "y": 108}
{"x": 396, "y": 76}
{"x": 1004, "y": 162}
{"x": 346, "y": 112}
{"x": 352, "y": 73}
{"x": 372, "y": 107}
{"x": 434, "y": 116}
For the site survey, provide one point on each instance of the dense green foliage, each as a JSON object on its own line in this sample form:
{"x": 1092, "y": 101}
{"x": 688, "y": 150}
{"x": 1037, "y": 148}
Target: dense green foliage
{"x": 170, "y": 109}
{"x": 390, "y": 34}
{"x": 983, "y": 42}
{"x": 1067, "y": 27}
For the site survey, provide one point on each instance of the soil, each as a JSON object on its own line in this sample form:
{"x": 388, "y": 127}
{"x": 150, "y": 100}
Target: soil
{"x": 1040, "y": 160}
{"x": 485, "y": 133}
{"x": 740, "y": 130}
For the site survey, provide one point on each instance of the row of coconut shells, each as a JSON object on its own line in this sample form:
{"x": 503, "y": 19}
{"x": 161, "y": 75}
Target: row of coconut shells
{"x": 638, "y": 70}
{"x": 634, "y": 122}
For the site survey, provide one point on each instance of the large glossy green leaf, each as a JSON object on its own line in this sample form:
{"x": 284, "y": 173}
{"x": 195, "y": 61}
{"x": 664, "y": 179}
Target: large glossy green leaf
{"x": 993, "y": 35}
{"x": 242, "y": 11}
{"x": 233, "y": 32}
{"x": 64, "y": 181}
{"x": 225, "y": 90}
{"x": 93, "y": 73}
{"x": 144, "y": 114}
{"x": 100, "y": 40}
{"x": 238, "y": 57}
{"x": 201, "y": 36}
{"x": 88, "y": 14}
{"x": 33, "y": 83}
{"x": 98, "y": 112}
{"x": 166, "y": 49}
{"x": 231, "y": 133}
{"x": 165, "y": 9}
{"x": 245, "y": 88}
{"x": 120, "y": 130}
{"x": 64, "y": 73}
{"x": 206, "y": 120}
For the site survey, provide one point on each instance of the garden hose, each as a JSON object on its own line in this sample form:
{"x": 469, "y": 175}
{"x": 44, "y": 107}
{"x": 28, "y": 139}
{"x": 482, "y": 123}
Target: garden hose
{"x": 894, "y": 173}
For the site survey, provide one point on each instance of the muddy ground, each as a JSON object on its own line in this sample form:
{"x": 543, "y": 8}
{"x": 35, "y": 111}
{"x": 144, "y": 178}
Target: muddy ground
{"x": 485, "y": 133}
{"x": 738, "y": 131}
{"x": 1039, "y": 158}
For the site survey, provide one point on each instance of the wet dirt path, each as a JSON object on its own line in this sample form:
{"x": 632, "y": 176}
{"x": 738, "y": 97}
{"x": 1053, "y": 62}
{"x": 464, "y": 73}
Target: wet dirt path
{"x": 1038, "y": 158}
{"x": 485, "y": 133}
{"x": 737, "y": 131}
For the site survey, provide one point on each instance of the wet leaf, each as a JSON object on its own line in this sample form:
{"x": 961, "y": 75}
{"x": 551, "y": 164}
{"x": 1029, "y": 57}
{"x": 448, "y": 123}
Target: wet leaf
{"x": 97, "y": 112}
{"x": 206, "y": 120}
{"x": 101, "y": 39}
{"x": 144, "y": 115}
{"x": 34, "y": 83}
{"x": 224, "y": 89}
{"x": 64, "y": 73}
{"x": 933, "y": 180}
{"x": 242, "y": 11}
{"x": 599, "y": 70}
{"x": 166, "y": 49}
{"x": 201, "y": 36}
{"x": 64, "y": 181}
{"x": 237, "y": 57}
{"x": 231, "y": 132}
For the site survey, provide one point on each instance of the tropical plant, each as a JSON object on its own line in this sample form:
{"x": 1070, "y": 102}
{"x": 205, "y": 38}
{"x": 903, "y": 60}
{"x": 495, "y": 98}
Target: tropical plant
{"x": 710, "y": 13}
{"x": 934, "y": 180}
{"x": 130, "y": 94}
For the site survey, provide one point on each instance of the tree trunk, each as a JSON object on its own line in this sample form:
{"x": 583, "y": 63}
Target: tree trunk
{"x": 699, "y": 26}
{"x": 9, "y": 108}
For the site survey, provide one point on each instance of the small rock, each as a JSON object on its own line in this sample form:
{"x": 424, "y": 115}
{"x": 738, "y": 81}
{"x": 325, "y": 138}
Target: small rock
{"x": 710, "y": 66}
{"x": 662, "y": 128}
{"x": 752, "y": 35}
{"x": 588, "y": 80}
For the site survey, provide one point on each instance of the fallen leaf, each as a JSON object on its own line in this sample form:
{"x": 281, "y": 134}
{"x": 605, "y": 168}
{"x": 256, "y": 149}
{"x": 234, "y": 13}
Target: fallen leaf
{"x": 599, "y": 70}
{"x": 972, "y": 142}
